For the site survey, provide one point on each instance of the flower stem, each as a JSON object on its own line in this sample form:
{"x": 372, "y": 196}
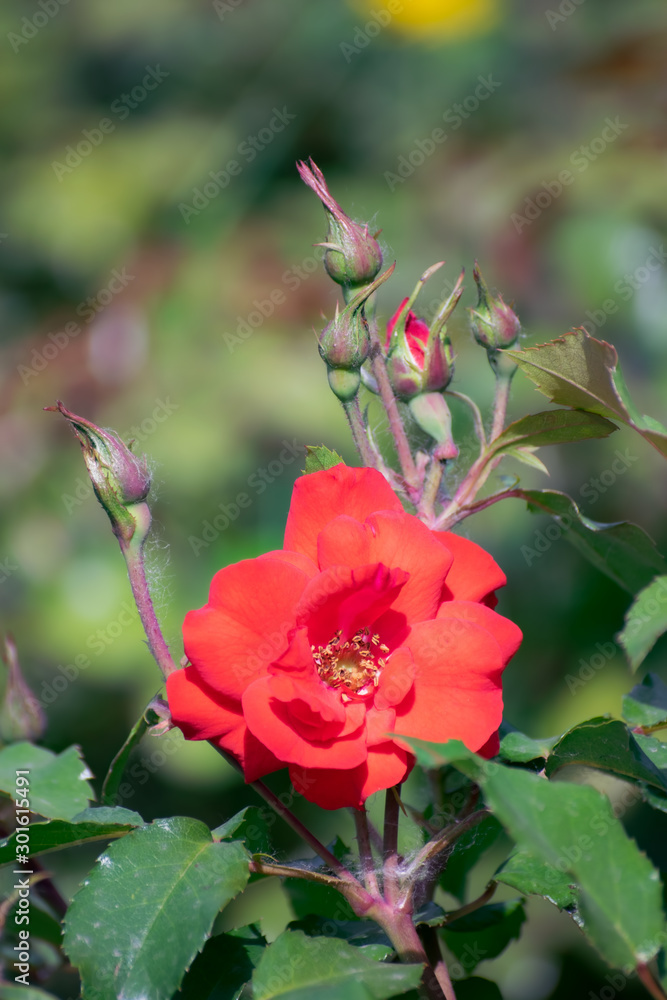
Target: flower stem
{"x": 503, "y": 384}
{"x": 356, "y": 422}
{"x": 365, "y": 851}
{"x": 386, "y": 392}
{"x": 390, "y": 846}
{"x": 133, "y": 552}
{"x": 429, "y": 495}
{"x": 259, "y": 867}
{"x": 476, "y": 904}
{"x": 649, "y": 981}
{"x": 401, "y": 931}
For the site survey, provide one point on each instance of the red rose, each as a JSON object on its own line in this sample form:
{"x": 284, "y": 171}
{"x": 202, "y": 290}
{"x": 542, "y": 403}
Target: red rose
{"x": 366, "y": 623}
{"x": 416, "y": 334}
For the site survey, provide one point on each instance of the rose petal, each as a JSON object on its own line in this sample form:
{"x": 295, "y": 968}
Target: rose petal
{"x": 396, "y": 679}
{"x": 244, "y": 627}
{"x": 387, "y": 765}
{"x": 394, "y": 539}
{"x": 505, "y": 632}
{"x": 272, "y": 722}
{"x": 474, "y": 574}
{"x": 322, "y": 496}
{"x": 456, "y": 692}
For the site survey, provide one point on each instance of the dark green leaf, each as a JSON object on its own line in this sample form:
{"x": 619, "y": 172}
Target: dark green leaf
{"x": 485, "y": 933}
{"x": 573, "y": 828}
{"x": 518, "y": 748}
{"x": 623, "y": 551}
{"x": 297, "y": 967}
{"x": 477, "y": 989}
{"x": 466, "y": 852}
{"x": 608, "y": 745}
{"x": 110, "y": 796}
{"x": 91, "y": 824}
{"x": 43, "y": 925}
{"x": 357, "y": 932}
{"x": 249, "y": 826}
{"x": 312, "y": 897}
{"x": 552, "y": 427}
{"x": 535, "y": 878}
{"x": 645, "y": 621}
{"x": 646, "y": 705}
{"x": 148, "y": 907}
{"x": 59, "y": 787}
{"x": 224, "y": 966}
{"x": 319, "y": 458}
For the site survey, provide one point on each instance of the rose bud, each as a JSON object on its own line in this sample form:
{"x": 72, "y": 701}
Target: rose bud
{"x": 493, "y": 323}
{"x": 431, "y": 413}
{"x": 345, "y": 343}
{"x": 420, "y": 357}
{"x": 353, "y": 256}
{"x": 21, "y": 715}
{"x": 119, "y": 478}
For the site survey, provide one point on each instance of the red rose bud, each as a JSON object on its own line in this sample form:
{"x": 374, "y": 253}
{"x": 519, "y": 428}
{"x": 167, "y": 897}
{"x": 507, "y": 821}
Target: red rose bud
{"x": 431, "y": 412}
{"x": 420, "y": 357}
{"x": 21, "y": 715}
{"x": 119, "y": 478}
{"x": 494, "y": 324}
{"x": 353, "y": 256}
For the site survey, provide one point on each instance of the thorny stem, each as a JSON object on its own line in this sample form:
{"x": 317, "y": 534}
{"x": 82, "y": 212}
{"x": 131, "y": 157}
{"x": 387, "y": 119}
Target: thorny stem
{"x": 386, "y": 393}
{"x": 429, "y": 937}
{"x": 650, "y": 982}
{"x": 442, "y": 842}
{"x": 259, "y": 867}
{"x": 502, "y": 394}
{"x": 365, "y": 850}
{"x": 390, "y": 845}
{"x": 356, "y": 422}
{"x": 401, "y": 931}
{"x": 133, "y": 551}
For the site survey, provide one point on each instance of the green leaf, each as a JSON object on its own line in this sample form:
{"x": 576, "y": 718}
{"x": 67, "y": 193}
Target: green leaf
{"x": 312, "y": 897}
{"x": 465, "y": 854}
{"x": 58, "y": 787}
{"x": 573, "y": 828}
{"x": 224, "y": 966}
{"x": 525, "y": 873}
{"x": 360, "y": 933}
{"x": 484, "y": 933}
{"x": 148, "y": 906}
{"x": 646, "y": 704}
{"x": 92, "y": 824}
{"x": 319, "y": 458}
{"x": 552, "y": 427}
{"x": 645, "y": 621}
{"x": 621, "y": 550}
{"x": 605, "y": 744}
{"x": 8, "y": 992}
{"x": 117, "y": 767}
{"x": 297, "y": 967}
{"x": 579, "y": 371}
{"x": 477, "y": 989}
{"x": 249, "y": 826}
{"x": 43, "y": 924}
{"x": 518, "y": 748}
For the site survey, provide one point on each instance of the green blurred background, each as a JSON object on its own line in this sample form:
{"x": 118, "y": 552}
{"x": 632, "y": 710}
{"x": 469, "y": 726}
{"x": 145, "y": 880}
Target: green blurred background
{"x": 131, "y": 279}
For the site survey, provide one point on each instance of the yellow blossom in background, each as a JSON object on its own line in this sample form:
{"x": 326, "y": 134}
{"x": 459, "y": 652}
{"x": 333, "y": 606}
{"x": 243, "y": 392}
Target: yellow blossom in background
{"x": 437, "y": 19}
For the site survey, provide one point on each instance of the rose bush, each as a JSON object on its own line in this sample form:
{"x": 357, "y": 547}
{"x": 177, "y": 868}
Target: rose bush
{"x": 365, "y": 624}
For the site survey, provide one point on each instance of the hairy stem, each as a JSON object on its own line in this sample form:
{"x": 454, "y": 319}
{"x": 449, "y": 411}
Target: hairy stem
{"x": 256, "y": 865}
{"x": 502, "y": 394}
{"x": 390, "y": 846}
{"x": 133, "y": 551}
{"x": 357, "y": 426}
{"x": 365, "y": 851}
{"x": 429, "y": 495}
{"x": 649, "y": 981}
{"x": 475, "y": 904}
{"x": 401, "y": 931}
{"x": 386, "y": 392}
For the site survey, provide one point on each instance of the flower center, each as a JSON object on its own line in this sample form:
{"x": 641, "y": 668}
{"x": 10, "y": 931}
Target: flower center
{"x": 352, "y": 664}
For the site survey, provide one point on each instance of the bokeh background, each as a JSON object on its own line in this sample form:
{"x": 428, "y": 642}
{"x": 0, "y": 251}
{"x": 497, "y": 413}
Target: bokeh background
{"x": 159, "y": 291}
